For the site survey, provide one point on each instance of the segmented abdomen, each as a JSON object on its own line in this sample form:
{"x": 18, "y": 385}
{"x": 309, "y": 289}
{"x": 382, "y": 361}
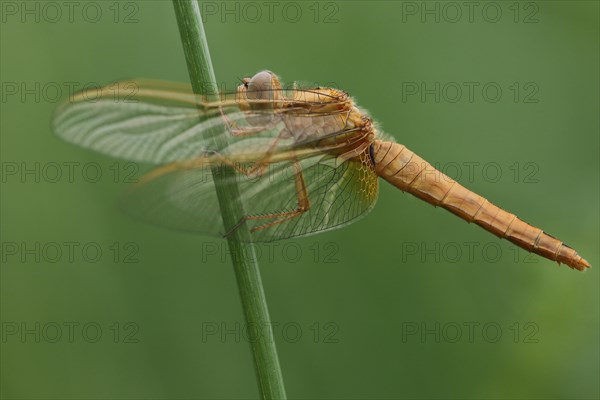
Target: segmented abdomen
{"x": 410, "y": 173}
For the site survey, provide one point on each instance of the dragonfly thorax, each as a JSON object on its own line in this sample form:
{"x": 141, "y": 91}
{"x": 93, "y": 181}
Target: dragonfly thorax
{"x": 314, "y": 117}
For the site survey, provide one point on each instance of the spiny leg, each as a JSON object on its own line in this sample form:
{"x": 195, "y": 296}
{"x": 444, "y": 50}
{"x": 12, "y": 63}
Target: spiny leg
{"x": 303, "y": 202}
{"x": 280, "y": 217}
{"x": 245, "y": 131}
{"x": 257, "y": 169}
{"x": 259, "y": 166}
{"x": 201, "y": 162}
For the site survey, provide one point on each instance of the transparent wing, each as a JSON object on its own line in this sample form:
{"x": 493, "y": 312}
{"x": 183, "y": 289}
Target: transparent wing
{"x": 161, "y": 122}
{"x": 182, "y": 196}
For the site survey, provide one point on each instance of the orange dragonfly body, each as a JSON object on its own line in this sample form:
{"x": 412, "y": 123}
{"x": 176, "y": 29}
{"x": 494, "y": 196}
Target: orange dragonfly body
{"x": 306, "y": 160}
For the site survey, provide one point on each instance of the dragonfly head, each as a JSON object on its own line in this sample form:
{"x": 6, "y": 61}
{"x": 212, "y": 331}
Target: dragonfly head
{"x": 262, "y": 89}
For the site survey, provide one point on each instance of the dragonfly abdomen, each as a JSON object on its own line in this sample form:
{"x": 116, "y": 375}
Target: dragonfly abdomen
{"x": 411, "y": 173}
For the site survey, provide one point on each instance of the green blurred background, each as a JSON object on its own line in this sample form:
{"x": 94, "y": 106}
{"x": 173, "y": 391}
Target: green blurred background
{"x": 380, "y": 309}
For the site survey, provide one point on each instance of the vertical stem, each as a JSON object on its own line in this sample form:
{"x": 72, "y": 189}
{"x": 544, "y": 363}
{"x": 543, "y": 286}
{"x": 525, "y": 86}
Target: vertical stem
{"x": 254, "y": 303}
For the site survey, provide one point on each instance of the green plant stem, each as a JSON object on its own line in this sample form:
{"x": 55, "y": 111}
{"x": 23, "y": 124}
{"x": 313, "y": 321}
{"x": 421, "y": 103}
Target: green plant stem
{"x": 242, "y": 252}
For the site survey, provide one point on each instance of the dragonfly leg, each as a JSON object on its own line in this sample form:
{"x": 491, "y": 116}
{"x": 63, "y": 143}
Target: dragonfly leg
{"x": 233, "y": 129}
{"x": 256, "y": 170}
{"x": 245, "y": 131}
{"x": 280, "y": 217}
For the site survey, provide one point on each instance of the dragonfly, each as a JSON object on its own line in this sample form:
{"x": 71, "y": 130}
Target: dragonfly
{"x": 306, "y": 160}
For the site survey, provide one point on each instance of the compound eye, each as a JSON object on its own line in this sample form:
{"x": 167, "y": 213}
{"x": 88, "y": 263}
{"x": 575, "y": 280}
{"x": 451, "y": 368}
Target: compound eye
{"x": 261, "y": 86}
